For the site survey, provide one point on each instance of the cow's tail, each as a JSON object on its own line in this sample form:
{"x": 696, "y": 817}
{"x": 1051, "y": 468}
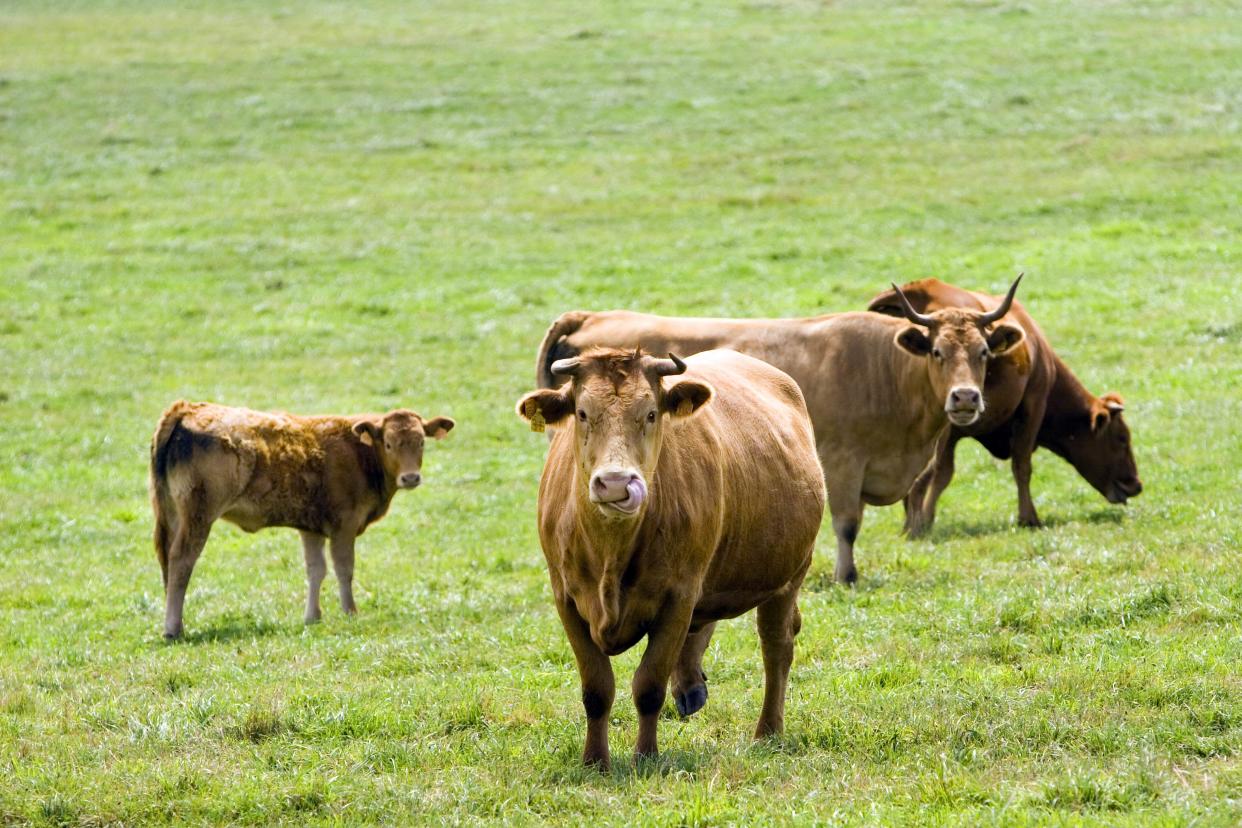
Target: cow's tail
{"x": 554, "y": 347}
{"x": 169, "y": 435}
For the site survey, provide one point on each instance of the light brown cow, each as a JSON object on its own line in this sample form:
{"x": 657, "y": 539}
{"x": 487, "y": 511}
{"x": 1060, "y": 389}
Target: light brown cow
{"x": 328, "y": 477}
{"x": 880, "y": 391}
{"x": 658, "y": 523}
{"x": 1033, "y": 399}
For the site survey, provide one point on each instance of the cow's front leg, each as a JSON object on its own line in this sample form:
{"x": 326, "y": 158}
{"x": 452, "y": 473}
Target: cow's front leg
{"x": 599, "y": 687}
{"x": 943, "y": 465}
{"x": 312, "y": 551}
{"x": 343, "y": 566}
{"x": 1023, "y": 447}
{"x": 665, "y": 641}
{"x": 779, "y": 622}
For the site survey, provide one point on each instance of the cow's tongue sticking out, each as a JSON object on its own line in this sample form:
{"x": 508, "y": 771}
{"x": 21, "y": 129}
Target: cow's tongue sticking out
{"x": 635, "y": 494}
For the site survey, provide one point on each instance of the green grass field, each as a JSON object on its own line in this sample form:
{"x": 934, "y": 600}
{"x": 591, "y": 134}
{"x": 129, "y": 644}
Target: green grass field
{"x": 335, "y": 208}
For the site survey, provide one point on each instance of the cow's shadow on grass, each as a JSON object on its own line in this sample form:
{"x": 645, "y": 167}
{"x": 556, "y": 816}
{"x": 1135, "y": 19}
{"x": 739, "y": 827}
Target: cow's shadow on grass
{"x": 954, "y": 530}
{"x": 233, "y": 629}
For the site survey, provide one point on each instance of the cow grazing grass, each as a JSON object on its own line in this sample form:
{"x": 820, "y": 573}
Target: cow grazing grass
{"x": 347, "y": 207}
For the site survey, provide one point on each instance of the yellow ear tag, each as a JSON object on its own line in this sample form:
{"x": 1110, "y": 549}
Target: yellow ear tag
{"x": 537, "y": 422}
{"x": 685, "y": 408}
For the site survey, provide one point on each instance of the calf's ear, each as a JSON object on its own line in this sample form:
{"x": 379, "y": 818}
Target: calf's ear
{"x": 437, "y": 428}
{"x": 914, "y": 341}
{"x": 686, "y": 397}
{"x": 368, "y": 432}
{"x": 1005, "y": 337}
{"x": 1113, "y": 401}
{"x": 548, "y": 405}
{"x": 1101, "y": 413}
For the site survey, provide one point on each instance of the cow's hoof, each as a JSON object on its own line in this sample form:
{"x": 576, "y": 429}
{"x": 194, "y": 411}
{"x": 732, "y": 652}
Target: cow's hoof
{"x": 172, "y": 636}
{"x": 691, "y": 701}
{"x": 1030, "y": 523}
{"x": 849, "y": 578}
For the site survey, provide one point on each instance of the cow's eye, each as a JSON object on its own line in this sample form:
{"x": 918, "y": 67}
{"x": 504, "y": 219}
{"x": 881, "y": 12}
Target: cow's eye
{"x": 581, "y": 415}
{"x": 651, "y": 416}
{"x": 936, "y": 353}
{"x": 388, "y": 445}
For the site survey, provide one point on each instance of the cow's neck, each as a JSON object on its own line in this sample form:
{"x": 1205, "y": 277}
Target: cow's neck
{"x": 609, "y": 546}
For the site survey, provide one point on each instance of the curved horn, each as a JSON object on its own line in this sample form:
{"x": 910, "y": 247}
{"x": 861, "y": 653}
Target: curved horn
{"x": 911, "y": 314}
{"x": 1003, "y": 308}
{"x": 566, "y": 367}
{"x": 669, "y": 367}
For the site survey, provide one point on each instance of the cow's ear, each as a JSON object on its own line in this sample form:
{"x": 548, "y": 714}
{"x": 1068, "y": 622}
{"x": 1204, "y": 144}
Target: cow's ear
{"x": 914, "y": 341}
{"x": 368, "y": 432}
{"x": 1101, "y": 413}
{"x": 1004, "y": 338}
{"x": 686, "y": 397}
{"x": 437, "y": 428}
{"x": 1113, "y": 402}
{"x": 548, "y": 405}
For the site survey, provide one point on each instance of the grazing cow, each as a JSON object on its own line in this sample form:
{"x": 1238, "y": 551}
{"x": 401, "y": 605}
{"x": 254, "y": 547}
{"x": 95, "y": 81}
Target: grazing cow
{"x": 880, "y": 391}
{"x": 655, "y": 522}
{"x": 327, "y": 477}
{"x": 1033, "y": 399}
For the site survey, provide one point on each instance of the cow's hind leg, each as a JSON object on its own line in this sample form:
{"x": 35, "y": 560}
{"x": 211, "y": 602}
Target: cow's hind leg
{"x": 779, "y": 622}
{"x": 312, "y": 551}
{"x": 187, "y": 544}
{"x": 689, "y": 680}
{"x": 845, "y": 503}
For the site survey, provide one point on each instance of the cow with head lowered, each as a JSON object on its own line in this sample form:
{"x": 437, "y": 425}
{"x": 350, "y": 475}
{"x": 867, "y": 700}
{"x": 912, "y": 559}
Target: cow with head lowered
{"x": 674, "y": 494}
{"x": 880, "y": 391}
{"x": 1032, "y": 400}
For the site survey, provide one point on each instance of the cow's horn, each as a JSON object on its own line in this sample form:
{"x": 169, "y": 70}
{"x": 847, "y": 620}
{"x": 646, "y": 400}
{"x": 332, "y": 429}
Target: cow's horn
{"x": 669, "y": 367}
{"x": 1003, "y": 308}
{"x": 911, "y": 314}
{"x": 566, "y": 367}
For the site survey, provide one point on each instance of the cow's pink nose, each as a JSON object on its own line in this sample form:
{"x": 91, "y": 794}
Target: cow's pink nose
{"x": 611, "y": 485}
{"x": 964, "y": 398}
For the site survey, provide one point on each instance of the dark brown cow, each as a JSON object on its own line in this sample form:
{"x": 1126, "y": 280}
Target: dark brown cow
{"x": 1032, "y": 399}
{"x": 328, "y": 477}
{"x": 658, "y": 523}
{"x": 880, "y": 391}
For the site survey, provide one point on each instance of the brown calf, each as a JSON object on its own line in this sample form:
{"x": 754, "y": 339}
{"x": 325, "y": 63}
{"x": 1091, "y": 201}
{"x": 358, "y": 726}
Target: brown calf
{"x": 1033, "y": 399}
{"x": 658, "y": 523}
{"x": 328, "y": 477}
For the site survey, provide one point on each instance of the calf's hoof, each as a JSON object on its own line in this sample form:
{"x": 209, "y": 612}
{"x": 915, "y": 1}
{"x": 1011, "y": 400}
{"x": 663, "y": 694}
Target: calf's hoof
{"x": 1030, "y": 522}
{"x": 172, "y": 636}
{"x": 691, "y": 701}
{"x": 849, "y": 577}
{"x": 600, "y": 761}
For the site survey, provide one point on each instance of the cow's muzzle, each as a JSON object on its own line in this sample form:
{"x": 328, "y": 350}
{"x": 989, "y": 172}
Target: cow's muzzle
{"x": 964, "y": 405}
{"x": 1123, "y": 490}
{"x": 409, "y": 480}
{"x": 618, "y": 490}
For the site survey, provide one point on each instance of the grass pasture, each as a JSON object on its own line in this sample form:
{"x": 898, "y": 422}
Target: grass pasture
{"x": 350, "y": 207}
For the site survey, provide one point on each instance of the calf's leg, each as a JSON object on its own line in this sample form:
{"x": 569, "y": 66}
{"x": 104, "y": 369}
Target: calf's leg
{"x": 779, "y": 623}
{"x": 187, "y": 545}
{"x": 343, "y": 566}
{"x": 599, "y": 686}
{"x": 312, "y": 551}
{"x": 689, "y": 680}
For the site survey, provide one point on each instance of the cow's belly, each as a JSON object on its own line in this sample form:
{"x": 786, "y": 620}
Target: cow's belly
{"x": 888, "y": 479}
